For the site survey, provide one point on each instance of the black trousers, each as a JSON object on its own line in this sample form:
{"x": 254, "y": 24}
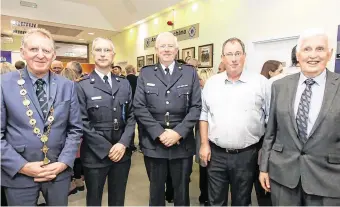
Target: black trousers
{"x": 203, "y": 183}
{"x": 77, "y": 168}
{"x": 169, "y": 192}
{"x": 179, "y": 169}
{"x": 95, "y": 178}
{"x": 284, "y": 196}
{"x": 236, "y": 170}
{"x": 263, "y": 197}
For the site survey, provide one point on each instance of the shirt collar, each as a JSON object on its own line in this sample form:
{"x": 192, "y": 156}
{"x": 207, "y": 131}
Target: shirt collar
{"x": 34, "y": 78}
{"x": 171, "y": 67}
{"x": 243, "y": 78}
{"x": 319, "y": 80}
{"x": 101, "y": 75}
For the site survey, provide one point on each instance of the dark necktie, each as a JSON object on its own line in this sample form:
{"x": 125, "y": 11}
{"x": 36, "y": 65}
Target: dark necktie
{"x": 303, "y": 110}
{"x": 42, "y": 97}
{"x": 106, "y": 78}
{"x": 167, "y": 74}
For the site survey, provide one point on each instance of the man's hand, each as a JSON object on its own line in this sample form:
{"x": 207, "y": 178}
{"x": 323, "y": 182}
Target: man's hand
{"x": 33, "y": 169}
{"x": 52, "y": 170}
{"x": 117, "y": 151}
{"x": 205, "y": 154}
{"x": 171, "y": 137}
{"x": 264, "y": 180}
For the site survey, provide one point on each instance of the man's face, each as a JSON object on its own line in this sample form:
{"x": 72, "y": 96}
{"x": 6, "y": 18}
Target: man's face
{"x": 233, "y": 57}
{"x": 314, "y": 55}
{"x": 116, "y": 71}
{"x": 166, "y": 49}
{"x": 103, "y": 53}
{"x": 57, "y": 67}
{"x": 221, "y": 68}
{"x": 38, "y": 53}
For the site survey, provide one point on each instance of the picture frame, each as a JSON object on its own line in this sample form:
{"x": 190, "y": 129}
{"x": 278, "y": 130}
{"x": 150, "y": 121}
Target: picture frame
{"x": 188, "y": 53}
{"x": 205, "y": 56}
{"x": 177, "y": 56}
{"x": 149, "y": 59}
{"x": 156, "y": 59}
{"x": 140, "y": 62}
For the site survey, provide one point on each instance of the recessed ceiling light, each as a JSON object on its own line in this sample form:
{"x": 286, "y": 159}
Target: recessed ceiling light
{"x": 90, "y": 33}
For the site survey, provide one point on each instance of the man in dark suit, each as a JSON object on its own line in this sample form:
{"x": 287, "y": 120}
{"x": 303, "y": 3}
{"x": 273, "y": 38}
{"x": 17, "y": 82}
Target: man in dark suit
{"x": 167, "y": 104}
{"x": 300, "y": 162}
{"x": 40, "y": 127}
{"x": 106, "y": 110}
{"x": 131, "y": 77}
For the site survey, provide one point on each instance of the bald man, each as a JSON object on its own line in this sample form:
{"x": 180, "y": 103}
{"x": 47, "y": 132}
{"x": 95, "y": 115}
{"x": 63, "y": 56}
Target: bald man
{"x": 57, "y": 66}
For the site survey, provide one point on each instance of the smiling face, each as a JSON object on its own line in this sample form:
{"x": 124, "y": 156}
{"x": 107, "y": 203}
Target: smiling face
{"x": 166, "y": 49}
{"x": 103, "y": 53}
{"x": 313, "y": 55}
{"x": 233, "y": 58}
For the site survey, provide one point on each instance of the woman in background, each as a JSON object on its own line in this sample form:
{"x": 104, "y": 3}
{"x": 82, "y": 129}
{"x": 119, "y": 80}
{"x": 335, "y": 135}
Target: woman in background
{"x": 271, "y": 68}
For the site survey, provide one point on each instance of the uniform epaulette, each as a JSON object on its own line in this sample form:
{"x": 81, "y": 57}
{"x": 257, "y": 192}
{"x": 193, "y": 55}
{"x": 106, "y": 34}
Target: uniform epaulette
{"x": 153, "y": 65}
{"x": 122, "y": 77}
{"x": 83, "y": 78}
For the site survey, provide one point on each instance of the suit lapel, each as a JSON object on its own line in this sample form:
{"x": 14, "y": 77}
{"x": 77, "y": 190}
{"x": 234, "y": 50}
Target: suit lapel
{"x": 159, "y": 73}
{"x": 115, "y": 85}
{"x": 31, "y": 92}
{"x": 292, "y": 88}
{"x": 330, "y": 91}
{"x": 176, "y": 74}
{"x": 99, "y": 83}
{"x": 53, "y": 90}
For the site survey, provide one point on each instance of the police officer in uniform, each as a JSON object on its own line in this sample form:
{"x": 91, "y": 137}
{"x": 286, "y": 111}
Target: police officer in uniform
{"x": 167, "y": 104}
{"x": 108, "y": 121}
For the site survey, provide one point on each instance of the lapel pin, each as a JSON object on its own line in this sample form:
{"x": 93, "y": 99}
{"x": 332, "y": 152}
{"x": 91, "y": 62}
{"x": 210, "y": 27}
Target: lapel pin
{"x": 21, "y": 82}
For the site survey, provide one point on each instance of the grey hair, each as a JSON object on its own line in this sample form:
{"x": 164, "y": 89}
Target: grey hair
{"x": 311, "y": 33}
{"x": 102, "y": 38}
{"x": 41, "y": 31}
{"x": 166, "y": 34}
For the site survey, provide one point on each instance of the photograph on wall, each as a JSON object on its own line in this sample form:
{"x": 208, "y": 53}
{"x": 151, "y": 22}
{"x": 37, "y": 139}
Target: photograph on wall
{"x": 188, "y": 53}
{"x": 140, "y": 62}
{"x": 149, "y": 59}
{"x": 157, "y": 58}
{"x": 205, "y": 55}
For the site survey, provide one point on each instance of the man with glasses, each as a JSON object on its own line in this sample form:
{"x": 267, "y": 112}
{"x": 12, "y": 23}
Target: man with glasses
{"x": 167, "y": 105}
{"x": 57, "y": 66}
{"x": 235, "y": 120}
{"x": 108, "y": 124}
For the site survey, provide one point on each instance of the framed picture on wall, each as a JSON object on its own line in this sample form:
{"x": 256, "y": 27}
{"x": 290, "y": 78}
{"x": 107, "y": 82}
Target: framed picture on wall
{"x": 150, "y": 59}
{"x": 177, "y": 56}
{"x": 157, "y": 58}
{"x": 188, "y": 53}
{"x": 205, "y": 55}
{"x": 140, "y": 62}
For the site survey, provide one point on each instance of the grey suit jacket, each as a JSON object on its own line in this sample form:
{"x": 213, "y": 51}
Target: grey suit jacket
{"x": 20, "y": 145}
{"x": 286, "y": 158}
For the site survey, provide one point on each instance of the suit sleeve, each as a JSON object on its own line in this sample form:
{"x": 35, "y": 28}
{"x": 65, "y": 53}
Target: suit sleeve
{"x": 194, "y": 112}
{"x": 74, "y": 131}
{"x": 11, "y": 161}
{"x": 96, "y": 142}
{"x": 130, "y": 122}
{"x": 142, "y": 113}
{"x": 270, "y": 134}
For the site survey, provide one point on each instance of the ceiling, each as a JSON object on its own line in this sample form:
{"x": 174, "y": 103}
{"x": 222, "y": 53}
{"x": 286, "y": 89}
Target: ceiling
{"x": 72, "y": 20}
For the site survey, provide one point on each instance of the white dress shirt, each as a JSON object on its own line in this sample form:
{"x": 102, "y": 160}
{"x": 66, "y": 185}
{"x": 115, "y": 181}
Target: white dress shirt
{"x": 101, "y": 75}
{"x": 171, "y": 68}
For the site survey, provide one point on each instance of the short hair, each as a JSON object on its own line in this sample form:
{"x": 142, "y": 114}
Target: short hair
{"x": 270, "y": 65}
{"x": 194, "y": 62}
{"x": 6, "y": 67}
{"x": 76, "y": 67}
{"x": 129, "y": 69}
{"x": 41, "y": 31}
{"x": 19, "y": 64}
{"x": 116, "y": 66}
{"x": 312, "y": 33}
{"x": 166, "y": 34}
{"x": 232, "y": 40}
{"x": 69, "y": 74}
{"x": 293, "y": 57}
{"x": 102, "y": 38}
{"x": 205, "y": 73}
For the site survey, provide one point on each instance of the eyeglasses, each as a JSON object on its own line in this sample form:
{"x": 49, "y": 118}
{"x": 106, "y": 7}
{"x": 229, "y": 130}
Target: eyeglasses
{"x": 166, "y": 46}
{"x": 103, "y": 50}
{"x": 57, "y": 68}
{"x": 230, "y": 55}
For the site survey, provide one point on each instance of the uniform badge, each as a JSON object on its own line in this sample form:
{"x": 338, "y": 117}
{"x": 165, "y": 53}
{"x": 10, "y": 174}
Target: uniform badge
{"x": 96, "y": 98}
{"x": 150, "y": 84}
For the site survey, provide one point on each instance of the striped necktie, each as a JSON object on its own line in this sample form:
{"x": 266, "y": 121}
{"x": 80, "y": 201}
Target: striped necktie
{"x": 42, "y": 96}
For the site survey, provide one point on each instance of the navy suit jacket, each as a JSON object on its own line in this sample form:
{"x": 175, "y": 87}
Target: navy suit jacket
{"x": 20, "y": 145}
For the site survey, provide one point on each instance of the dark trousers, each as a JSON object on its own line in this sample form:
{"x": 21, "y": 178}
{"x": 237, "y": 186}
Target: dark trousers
{"x": 284, "y": 196}
{"x": 263, "y": 197}
{"x": 179, "y": 169}
{"x": 169, "y": 192}
{"x": 203, "y": 183}
{"x": 95, "y": 178}
{"x": 236, "y": 170}
{"x": 55, "y": 194}
{"x": 3, "y": 197}
{"x": 77, "y": 168}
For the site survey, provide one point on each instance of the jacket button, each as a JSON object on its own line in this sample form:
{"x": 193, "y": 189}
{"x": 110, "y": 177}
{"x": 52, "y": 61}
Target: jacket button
{"x": 168, "y": 92}
{"x": 114, "y": 109}
{"x": 167, "y": 102}
{"x": 97, "y": 106}
{"x": 113, "y": 97}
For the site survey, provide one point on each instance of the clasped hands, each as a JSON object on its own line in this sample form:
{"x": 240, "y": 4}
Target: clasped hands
{"x": 41, "y": 172}
{"x": 116, "y": 152}
{"x": 169, "y": 137}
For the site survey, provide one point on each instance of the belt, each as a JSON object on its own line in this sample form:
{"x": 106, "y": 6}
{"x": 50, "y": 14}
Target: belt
{"x": 234, "y": 151}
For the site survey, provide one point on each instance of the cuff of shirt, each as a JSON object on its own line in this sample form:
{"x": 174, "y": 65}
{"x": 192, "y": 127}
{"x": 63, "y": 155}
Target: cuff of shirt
{"x": 204, "y": 116}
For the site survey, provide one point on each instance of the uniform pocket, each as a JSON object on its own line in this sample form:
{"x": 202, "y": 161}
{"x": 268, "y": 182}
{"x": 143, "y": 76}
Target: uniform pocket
{"x": 99, "y": 111}
{"x": 334, "y": 158}
{"x": 277, "y": 147}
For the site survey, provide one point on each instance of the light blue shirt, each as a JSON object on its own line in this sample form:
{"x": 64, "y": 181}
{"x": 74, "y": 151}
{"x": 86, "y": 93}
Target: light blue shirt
{"x": 318, "y": 90}
{"x": 46, "y": 78}
{"x": 171, "y": 68}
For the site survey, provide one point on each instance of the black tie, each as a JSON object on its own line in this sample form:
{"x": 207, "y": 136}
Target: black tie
{"x": 106, "y": 80}
{"x": 42, "y": 97}
{"x": 167, "y": 74}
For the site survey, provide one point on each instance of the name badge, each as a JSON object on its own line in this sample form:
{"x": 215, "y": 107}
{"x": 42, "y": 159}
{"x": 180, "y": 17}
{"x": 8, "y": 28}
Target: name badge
{"x": 181, "y": 86}
{"x": 150, "y": 84}
{"x": 96, "y": 98}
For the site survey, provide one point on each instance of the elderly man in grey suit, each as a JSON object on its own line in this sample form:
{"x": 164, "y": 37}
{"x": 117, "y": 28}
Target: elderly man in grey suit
{"x": 300, "y": 162}
{"x": 40, "y": 127}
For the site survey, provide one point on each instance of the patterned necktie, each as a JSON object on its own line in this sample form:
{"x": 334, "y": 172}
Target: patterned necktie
{"x": 42, "y": 96}
{"x": 167, "y": 74}
{"x": 303, "y": 110}
{"x": 106, "y": 78}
